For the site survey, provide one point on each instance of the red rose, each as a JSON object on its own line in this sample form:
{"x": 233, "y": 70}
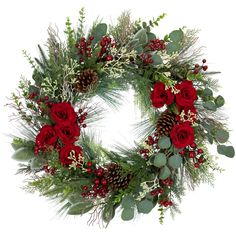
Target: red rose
{"x": 182, "y": 135}
{"x": 68, "y": 133}
{"x": 160, "y": 96}
{"x": 187, "y": 94}
{"x": 63, "y": 113}
{"x": 46, "y": 137}
{"x": 70, "y": 151}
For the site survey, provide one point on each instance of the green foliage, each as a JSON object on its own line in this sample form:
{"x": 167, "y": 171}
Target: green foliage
{"x": 226, "y": 150}
{"x": 80, "y": 30}
{"x": 23, "y": 154}
{"x": 164, "y": 142}
{"x": 70, "y": 34}
{"x": 219, "y": 101}
{"x": 160, "y": 160}
{"x": 98, "y": 32}
{"x": 128, "y": 201}
{"x": 18, "y": 143}
{"x": 209, "y": 105}
{"x": 175, "y": 161}
{"x": 127, "y": 214}
{"x": 145, "y": 206}
{"x": 222, "y": 136}
{"x": 141, "y": 37}
{"x": 156, "y": 59}
{"x": 164, "y": 173}
{"x": 176, "y": 35}
{"x": 80, "y": 208}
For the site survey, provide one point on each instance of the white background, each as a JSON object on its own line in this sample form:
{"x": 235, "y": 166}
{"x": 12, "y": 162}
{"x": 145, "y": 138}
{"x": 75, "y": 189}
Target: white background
{"x": 23, "y": 24}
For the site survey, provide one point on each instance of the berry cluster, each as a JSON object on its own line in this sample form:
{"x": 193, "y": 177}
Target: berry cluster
{"x": 198, "y": 68}
{"x": 194, "y": 153}
{"x": 144, "y": 153}
{"x": 100, "y": 184}
{"x": 146, "y": 58}
{"x": 84, "y": 48}
{"x": 166, "y": 203}
{"x": 157, "y": 44}
{"x": 50, "y": 170}
{"x": 106, "y": 44}
{"x": 156, "y": 191}
{"x": 82, "y": 117}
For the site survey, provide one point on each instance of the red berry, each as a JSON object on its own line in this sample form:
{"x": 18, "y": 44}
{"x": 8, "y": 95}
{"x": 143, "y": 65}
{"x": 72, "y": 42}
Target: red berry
{"x": 83, "y": 195}
{"x": 102, "y": 43}
{"x": 80, "y": 110}
{"x": 200, "y": 151}
{"x": 196, "y": 66}
{"x": 160, "y": 190}
{"x": 205, "y": 68}
{"x": 191, "y": 154}
{"x": 97, "y": 181}
{"x": 196, "y": 165}
{"x": 89, "y": 164}
{"x": 204, "y": 61}
{"x": 82, "y": 39}
{"x": 89, "y": 170}
{"x": 85, "y": 188}
{"x": 182, "y": 152}
{"x": 84, "y": 126}
{"x": 109, "y": 58}
{"x": 170, "y": 203}
{"x": 104, "y": 182}
{"x": 91, "y": 38}
{"x": 193, "y": 145}
{"x": 201, "y": 160}
{"x": 85, "y": 114}
{"x": 195, "y": 72}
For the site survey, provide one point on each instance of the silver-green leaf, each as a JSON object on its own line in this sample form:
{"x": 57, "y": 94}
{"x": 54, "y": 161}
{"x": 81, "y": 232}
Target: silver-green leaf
{"x": 175, "y": 161}
{"x": 127, "y": 214}
{"x": 145, "y": 206}
{"x": 160, "y": 160}
{"x": 164, "y": 173}
{"x": 23, "y": 154}
{"x": 164, "y": 142}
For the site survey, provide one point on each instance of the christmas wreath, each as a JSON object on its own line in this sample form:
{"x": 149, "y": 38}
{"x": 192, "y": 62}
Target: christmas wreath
{"x": 181, "y": 115}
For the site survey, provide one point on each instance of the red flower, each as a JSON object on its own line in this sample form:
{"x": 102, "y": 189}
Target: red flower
{"x": 46, "y": 137}
{"x": 187, "y": 94}
{"x": 160, "y": 96}
{"x": 68, "y": 133}
{"x": 70, "y": 151}
{"x": 182, "y": 135}
{"x": 63, "y": 113}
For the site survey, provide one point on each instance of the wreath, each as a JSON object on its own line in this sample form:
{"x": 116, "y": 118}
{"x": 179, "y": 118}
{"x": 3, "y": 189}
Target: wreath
{"x": 181, "y": 116}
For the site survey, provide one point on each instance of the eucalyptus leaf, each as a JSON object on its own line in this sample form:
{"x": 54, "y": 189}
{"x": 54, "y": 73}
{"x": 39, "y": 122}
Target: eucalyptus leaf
{"x": 173, "y": 47}
{"x": 164, "y": 173}
{"x": 151, "y": 36}
{"x": 37, "y": 163}
{"x": 99, "y": 31}
{"x": 145, "y": 206}
{"x": 108, "y": 213}
{"x": 160, "y": 160}
{"x": 128, "y": 201}
{"x": 142, "y": 37}
{"x": 175, "y": 161}
{"x": 127, "y": 214}
{"x": 80, "y": 208}
{"x": 176, "y": 35}
{"x": 207, "y": 92}
{"x": 226, "y": 150}
{"x": 23, "y": 154}
{"x": 219, "y": 101}
{"x": 209, "y": 105}
{"x": 164, "y": 142}
{"x": 156, "y": 60}
{"x": 222, "y": 136}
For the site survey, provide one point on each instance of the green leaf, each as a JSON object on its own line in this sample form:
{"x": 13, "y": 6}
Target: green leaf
{"x": 219, "y": 101}
{"x": 226, "y": 150}
{"x": 75, "y": 198}
{"x": 80, "y": 208}
{"x": 108, "y": 213}
{"x": 37, "y": 163}
{"x": 173, "y": 47}
{"x": 160, "y": 160}
{"x": 145, "y": 206}
{"x": 222, "y": 136}
{"x": 99, "y": 31}
{"x": 164, "y": 142}
{"x": 164, "y": 173}
{"x": 19, "y": 143}
{"x": 151, "y": 36}
{"x": 23, "y": 154}
{"x": 142, "y": 37}
{"x": 176, "y": 35}
{"x": 175, "y": 161}
{"x": 128, "y": 201}
{"x": 209, "y": 105}
{"x": 156, "y": 59}
{"x": 207, "y": 92}
{"x": 127, "y": 214}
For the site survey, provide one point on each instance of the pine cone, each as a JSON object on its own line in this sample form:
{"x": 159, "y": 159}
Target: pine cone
{"x": 165, "y": 123}
{"x": 115, "y": 178}
{"x": 85, "y": 79}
